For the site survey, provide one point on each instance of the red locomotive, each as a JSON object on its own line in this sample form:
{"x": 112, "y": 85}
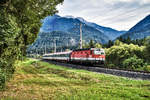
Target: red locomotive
{"x": 91, "y": 55}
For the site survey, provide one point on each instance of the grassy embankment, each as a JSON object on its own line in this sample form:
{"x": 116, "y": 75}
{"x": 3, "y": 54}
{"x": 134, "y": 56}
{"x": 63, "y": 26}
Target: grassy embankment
{"x": 37, "y": 80}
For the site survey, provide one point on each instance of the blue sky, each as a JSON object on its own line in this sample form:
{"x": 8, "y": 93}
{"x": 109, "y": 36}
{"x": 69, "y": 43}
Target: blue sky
{"x": 117, "y": 14}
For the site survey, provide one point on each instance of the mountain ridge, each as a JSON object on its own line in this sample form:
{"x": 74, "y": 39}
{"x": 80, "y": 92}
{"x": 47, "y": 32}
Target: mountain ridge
{"x": 109, "y": 32}
{"x": 65, "y": 32}
{"x": 139, "y": 30}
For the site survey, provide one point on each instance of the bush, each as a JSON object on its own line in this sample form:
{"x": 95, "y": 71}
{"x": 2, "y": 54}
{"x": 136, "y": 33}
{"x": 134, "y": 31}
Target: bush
{"x": 147, "y": 49}
{"x": 110, "y": 65}
{"x": 133, "y": 63}
{"x": 2, "y": 79}
{"x": 120, "y": 52}
{"x": 146, "y": 68}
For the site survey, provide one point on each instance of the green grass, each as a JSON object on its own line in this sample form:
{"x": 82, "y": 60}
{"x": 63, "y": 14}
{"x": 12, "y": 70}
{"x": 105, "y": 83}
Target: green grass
{"x": 37, "y": 80}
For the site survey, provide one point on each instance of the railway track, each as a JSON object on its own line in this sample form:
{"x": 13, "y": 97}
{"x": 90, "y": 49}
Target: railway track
{"x": 124, "y": 73}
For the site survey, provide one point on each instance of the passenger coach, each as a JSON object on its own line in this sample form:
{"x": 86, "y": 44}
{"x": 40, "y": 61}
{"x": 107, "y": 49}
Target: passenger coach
{"x": 59, "y": 56}
{"x": 91, "y": 55}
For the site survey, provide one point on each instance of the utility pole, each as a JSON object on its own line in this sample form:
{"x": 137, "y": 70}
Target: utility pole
{"x": 80, "y": 35}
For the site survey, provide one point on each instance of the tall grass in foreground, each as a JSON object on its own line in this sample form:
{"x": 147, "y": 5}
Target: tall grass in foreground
{"x": 43, "y": 81}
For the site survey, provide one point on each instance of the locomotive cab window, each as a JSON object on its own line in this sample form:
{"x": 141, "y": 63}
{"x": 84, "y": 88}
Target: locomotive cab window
{"x": 102, "y": 53}
{"x": 99, "y": 52}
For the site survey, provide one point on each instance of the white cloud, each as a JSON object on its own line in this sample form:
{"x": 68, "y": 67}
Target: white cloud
{"x": 145, "y": 1}
{"x": 127, "y": 1}
{"x": 115, "y": 1}
{"x": 118, "y": 14}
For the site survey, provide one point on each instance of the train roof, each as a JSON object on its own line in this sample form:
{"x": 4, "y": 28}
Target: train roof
{"x": 58, "y": 53}
{"x": 89, "y": 49}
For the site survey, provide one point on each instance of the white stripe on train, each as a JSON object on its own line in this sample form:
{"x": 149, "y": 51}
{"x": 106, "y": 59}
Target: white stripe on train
{"x": 72, "y": 58}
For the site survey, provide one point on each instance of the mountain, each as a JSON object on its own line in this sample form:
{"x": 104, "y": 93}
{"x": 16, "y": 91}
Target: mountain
{"x": 47, "y": 40}
{"x": 58, "y": 23}
{"x": 111, "y": 33}
{"x": 140, "y": 30}
{"x": 65, "y": 32}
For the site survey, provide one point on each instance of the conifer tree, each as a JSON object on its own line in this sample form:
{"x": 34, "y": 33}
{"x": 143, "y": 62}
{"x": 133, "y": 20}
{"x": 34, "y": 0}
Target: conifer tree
{"x": 91, "y": 44}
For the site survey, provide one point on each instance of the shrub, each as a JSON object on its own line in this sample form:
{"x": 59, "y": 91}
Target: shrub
{"x": 2, "y": 79}
{"x": 133, "y": 63}
{"x": 120, "y": 52}
{"x": 147, "y": 49}
{"x": 110, "y": 65}
{"x": 146, "y": 68}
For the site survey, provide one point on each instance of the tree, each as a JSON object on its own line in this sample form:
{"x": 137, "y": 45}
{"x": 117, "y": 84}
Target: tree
{"x": 117, "y": 43}
{"x": 118, "y": 53}
{"x": 110, "y": 43}
{"x": 134, "y": 63}
{"x": 28, "y": 14}
{"x": 85, "y": 45}
{"x": 19, "y": 26}
{"x": 120, "y": 39}
{"x": 147, "y": 49}
{"x": 98, "y": 45}
{"x": 128, "y": 40}
{"x": 91, "y": 44}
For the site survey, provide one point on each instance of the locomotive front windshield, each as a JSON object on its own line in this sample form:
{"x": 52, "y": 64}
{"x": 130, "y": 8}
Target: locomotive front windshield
{"x": 99, "y": 52}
